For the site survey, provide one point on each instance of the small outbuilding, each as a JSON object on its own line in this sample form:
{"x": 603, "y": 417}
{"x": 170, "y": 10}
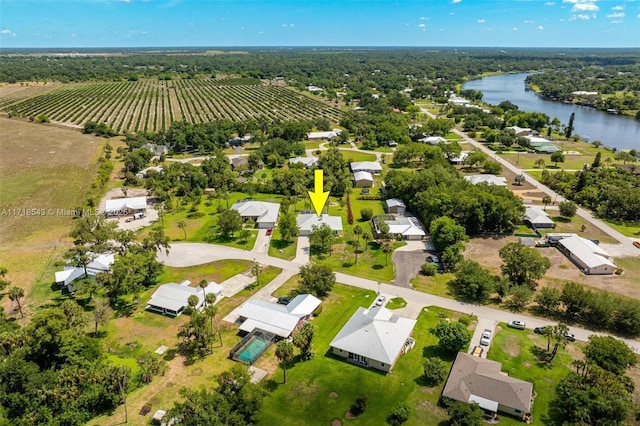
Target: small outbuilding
{"x": 362, "y": 180}
{"x": 537, "y": 218}
{"x": 395, "y": 206}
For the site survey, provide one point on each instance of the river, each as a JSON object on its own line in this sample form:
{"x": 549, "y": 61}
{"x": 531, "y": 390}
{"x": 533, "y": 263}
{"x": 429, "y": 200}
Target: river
{"x": 614, "y": 131}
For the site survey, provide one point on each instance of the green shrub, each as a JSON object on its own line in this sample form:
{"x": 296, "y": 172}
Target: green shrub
{"x": 429, "y": 269}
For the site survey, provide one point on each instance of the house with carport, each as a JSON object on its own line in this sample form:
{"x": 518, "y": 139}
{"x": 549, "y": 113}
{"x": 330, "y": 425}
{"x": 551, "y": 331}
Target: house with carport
{"x": 478, "y": 380}
{"x": 374, "y": 338}
{"x": 263, "y": 213}
{"x": 537, "y": 218}
{"x": 171, "y": 299}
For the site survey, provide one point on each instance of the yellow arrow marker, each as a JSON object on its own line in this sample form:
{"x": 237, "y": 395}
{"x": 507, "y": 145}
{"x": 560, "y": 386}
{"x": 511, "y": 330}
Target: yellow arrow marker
{"x": 318, "y": 198}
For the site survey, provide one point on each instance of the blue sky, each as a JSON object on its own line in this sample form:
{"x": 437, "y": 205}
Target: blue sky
{"x": 142, "y": 23}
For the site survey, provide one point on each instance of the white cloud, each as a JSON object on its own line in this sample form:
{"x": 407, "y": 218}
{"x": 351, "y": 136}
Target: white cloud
{"x": 481, "y": 21}
{"x": 421, "y": 26}
{"x": 619, "y": 7}
{"x": 424, "y": 18}
{"x": 455, "y": 1}
{"x": 617, "y": 21}
{"x": 585, "y": 7}
{"x": 8, "y": 32}
{"x": 616, "y": 15}
{"x": 452, "y": 13}
{"x": 580, "y": 16}
{"x": 550, "y": 3}
{"x": 514, "y": 29}
{"x": 540, "y": 27}
{"x": 527, "y": 22}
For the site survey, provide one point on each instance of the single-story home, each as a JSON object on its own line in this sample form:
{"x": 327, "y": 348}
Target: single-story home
{"x": 264, "y": 214}
{"x": 362, "y": 180}
{"x": 522, "y": 131}
{"x": 537, "y": 218}
{"x": 307, "y": 162}
{"x": 156, "y": 150}
{"x": 145, "y": 172}
{"x": 474, "y": 379}
{"x": 542, "y": 145}
{"x": 488, "y": 179}
{"x": 239, "y": 162}
{"x": 314, "y": 89}
{"x": 281, "y": 320}
{"x": 459, "y": 159}
{"x": 395, "y": 205}
{"x": 306, "y": 222}
{"x": 99, "y": 263}
{"x": 455, "y": 100}
{"x": 374, "y": 337}
{"x": 328, "y": 135}
{"x": 372, "y": 167}
{"x": 172, "y": 298}
{"x": 409, "y": 228}
{"x": 591, "y": 258}
{"x": 125, "y": 206}
{"x": 432, "y": 140}
{"x": 240, "y": 140}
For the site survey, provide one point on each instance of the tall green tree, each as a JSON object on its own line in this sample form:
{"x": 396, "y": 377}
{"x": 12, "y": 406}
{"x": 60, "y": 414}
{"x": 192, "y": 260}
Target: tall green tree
{"x": 284, "y": 353}
{"x": 452, "y": 336}
{"x": 570, "y": 128}
{"x": 321, "y": 238}
{"x": 229, "y": 222}
{"x": 473, "y": 282}
{"x": 610, "y": 354}
{"x": 288, "y": 227}
{"x": 15, "y": 294}
{"x": 523, "y": 265}
{"x": 317, "y": 280}
{"x": 303, "y": 340}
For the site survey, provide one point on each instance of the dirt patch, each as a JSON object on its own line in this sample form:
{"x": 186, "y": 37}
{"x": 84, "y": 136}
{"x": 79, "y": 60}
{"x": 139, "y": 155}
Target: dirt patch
{"x": 427, "y": 389}
{"x": 527, "y": 364}
{"x": 305, "y": 390}
{"x": 512, "y": 345}
{"x": 196, "y": 372}
{"x": 333, "y": 395}
{"x": 336, "y": 422}
{"x": 349, "y": 415}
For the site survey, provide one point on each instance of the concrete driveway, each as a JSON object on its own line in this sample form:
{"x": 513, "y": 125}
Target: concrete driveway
{"x": 483, "y": 324}
{"x": 407, "y": 260}
{"x": 262, "y": 242}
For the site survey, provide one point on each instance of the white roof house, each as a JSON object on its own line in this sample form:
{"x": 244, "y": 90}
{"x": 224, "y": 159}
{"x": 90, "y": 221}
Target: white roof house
{"x": 537, "y": 217}
{"x": 281, "y": 320}
{"x": 537, "y": 139}
{"x": 324, "y": 135}
{"x": 363, "y": 179}
{"x": 395, "y": 205}
{"x": 433, "y": 140}
{"x": 100, "y": 263}
{"x": 459, "y": 159}
{"x": 172, "y": 298}
{"x": 374, "y": 337}
{"x": 521, "y": 131}
{"x": 314, "y": 89}
{"x": 372, "y": 167}
{"x": 124, "y": 206}
{"x": 307, "y": 162}
{"x": 409, "y": 227}
{"x": 488, "y": 179}
{"x": 306, "y": 222}
{"x": 145, "y": 172}
{"x": 263, "y": 213}
{"x": 593, "y": 259}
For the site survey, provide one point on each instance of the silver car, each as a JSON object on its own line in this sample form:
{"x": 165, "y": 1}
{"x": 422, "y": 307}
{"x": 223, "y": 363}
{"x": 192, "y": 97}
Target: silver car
{"x": 486, "y": 338}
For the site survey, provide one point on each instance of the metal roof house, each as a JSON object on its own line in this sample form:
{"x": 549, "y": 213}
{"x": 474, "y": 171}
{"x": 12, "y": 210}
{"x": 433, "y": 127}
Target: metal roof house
{"x": 99, "y": 263}
{"x": 263, "y": 213}
{"x": 171, "y": 299}
{"x": 537, "y": 218}
{"x": 125, "y": 206}
{"x": 307, "y": 162}
{"x": 374, "y": 338}
{"x": 281, "y": 320}
{"x": 479, "y": 380}
{"x": 409, "y": 228}
{"x": 372, "y": 167}
{"x": 362, "y": 180}
{"x": 306, "y": 222}
{"x": 488, "y": 179}
{"x": 591, "y": 258}
{"x": 432, "y": 140}
{"x": 395, "y": 205}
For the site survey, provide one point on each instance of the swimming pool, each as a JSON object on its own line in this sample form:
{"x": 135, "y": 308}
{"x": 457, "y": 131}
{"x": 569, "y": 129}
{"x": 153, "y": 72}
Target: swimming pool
{"x": 252, "y": 350}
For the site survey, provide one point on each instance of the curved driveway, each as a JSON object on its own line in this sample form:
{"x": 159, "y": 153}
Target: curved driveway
{"x": 189, "y": 254}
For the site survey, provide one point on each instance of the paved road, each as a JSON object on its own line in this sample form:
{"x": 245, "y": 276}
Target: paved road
{"x": 189, "y": 254}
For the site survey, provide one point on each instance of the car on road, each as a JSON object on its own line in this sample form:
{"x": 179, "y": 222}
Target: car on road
{"x": 477, "y": 351}
{"x": 129, "y": 219}
{"x": 486, "y": 337}
{"x": 269, "y": 231}
{"x": 284, "y": 300}
{"x": 516, "y": 324}
{"x": 570, "y": 337}
{"x": 380, "y": 301}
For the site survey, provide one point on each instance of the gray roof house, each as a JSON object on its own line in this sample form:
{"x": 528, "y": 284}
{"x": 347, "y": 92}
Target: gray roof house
{"x": 372, "y": 167}
{"x": 409, "y": 228}
{"x": 281, "y": 320}
{"x": 306, "y": 222}
{"x": 591, "y": 258}
{"x": 125, "y": 206}
{"x": 432, "y": 140}
{"x": 537, "y": 218}
{"x": 488, "y": 179}
{"x": 362, "y": 180}
{"x": 307, "y": 162}
{"x": 374, "y": 337}
{"x": 263, "y": 213}
{"x": 479, "y": 380}
{"x": 171, "y": 299}
{"x": 395, "y": 205}
{"x": 99, "y": 263}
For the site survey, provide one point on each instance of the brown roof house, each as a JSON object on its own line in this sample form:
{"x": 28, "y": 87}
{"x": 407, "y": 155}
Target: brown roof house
{"x": 480, "y": 380}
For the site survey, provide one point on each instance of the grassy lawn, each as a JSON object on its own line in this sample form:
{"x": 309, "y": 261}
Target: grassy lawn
{"x": 350, "y": 156}
{"x": 288, "y": 286}
{"x": 575, "y": 224}
{"x": 217, "y": 271}
{"x": 434, "y": 285}
{"x": 516, "y": 350}
{"x": 630, "y": 229}
{"x": 280, "y": 248}
{"x": 396, "y": 303}
{"x": 325, "y": 388}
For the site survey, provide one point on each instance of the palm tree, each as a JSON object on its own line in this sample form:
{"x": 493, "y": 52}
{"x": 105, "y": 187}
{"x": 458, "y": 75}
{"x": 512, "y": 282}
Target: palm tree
{"x": 3, "y": 281}
{"x": 284, "y": 353}
{"x": 559, "y": 339}
{"x": 203, "y": 284}
{"x": 193, "y": 301}
{"x": 356, "y": 247}
{"x": 540, "y": 163}
{"x": 366, "y": 237}
{"x": 255, "y": 270}
{"x": 357, "y": 230}
{"x": 386, "y": 249}
{"x": 15, "y": 294}
{"x": 211, "y": 311}
{"x": 183, "y": 225}
{"x": 546, "y": 200}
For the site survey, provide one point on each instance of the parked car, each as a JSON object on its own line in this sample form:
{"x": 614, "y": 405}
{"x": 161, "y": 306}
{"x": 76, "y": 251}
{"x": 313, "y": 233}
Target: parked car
{"x": 570, "y": 337}
{"x": 538, "y": 330}
{"x": 129, "y": 219}
{"x": 486, "y": 337}
{"x": 284, "y": 300}
{"x": 380, "y": 301}
{"x": 269, "y": 231}
{"x": 477, "y": 351}
{"x": 433, "y": 259}
{"x": 516, "y": 324}
{"x": 637, "y": 244}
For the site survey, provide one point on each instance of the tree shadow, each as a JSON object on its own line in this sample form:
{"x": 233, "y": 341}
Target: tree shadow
{"x": 542, "y": 357}
{"x": 561, "y": 219}
{"x": 377, "y": 266}
{"x": 280, "y": 244}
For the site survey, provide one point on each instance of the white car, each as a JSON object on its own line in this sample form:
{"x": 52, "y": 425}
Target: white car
{"x": 517, "y": 324}
{"x": 380, "y": 301}
{"x": 486, "y": 338}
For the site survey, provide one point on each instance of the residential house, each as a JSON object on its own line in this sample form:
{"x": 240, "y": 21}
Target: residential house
{"x": 362, "y": 180}
{"x": 240, "y": 163}
{"x": 474, "y": 379}
{"x": 459, "y": 159}
{"x": 125, "y": 206}
{"x": 142, "y": 174}
{"x": 314, "y": 89}
{"x": 591, "y": 258}
{"x": 406, "y": 228}
{"x": 156, "y": 150}
{"x": 487, "y": 179}
{"x": 374, "y": 337}
{"x": 306, "y": 222}
{"x": 372, "y": 167}
{"x": 537, "y": 218}
{"x": 240, "y": 140}
{"x": 542, "y": 145}
{"x": 171, "y": 299}
{"x": 432, "y": 140}
{"x": 395, "y": 205}
{"x": 458, "y": 101}
{"x": 98, "y": 263}
{"x": 307, "y": 162}
{"x": 522, "y": 131}
{"x": 264, "y": 214}
{"x": 328, "y": 135}
{"x": 281, "y": 320}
